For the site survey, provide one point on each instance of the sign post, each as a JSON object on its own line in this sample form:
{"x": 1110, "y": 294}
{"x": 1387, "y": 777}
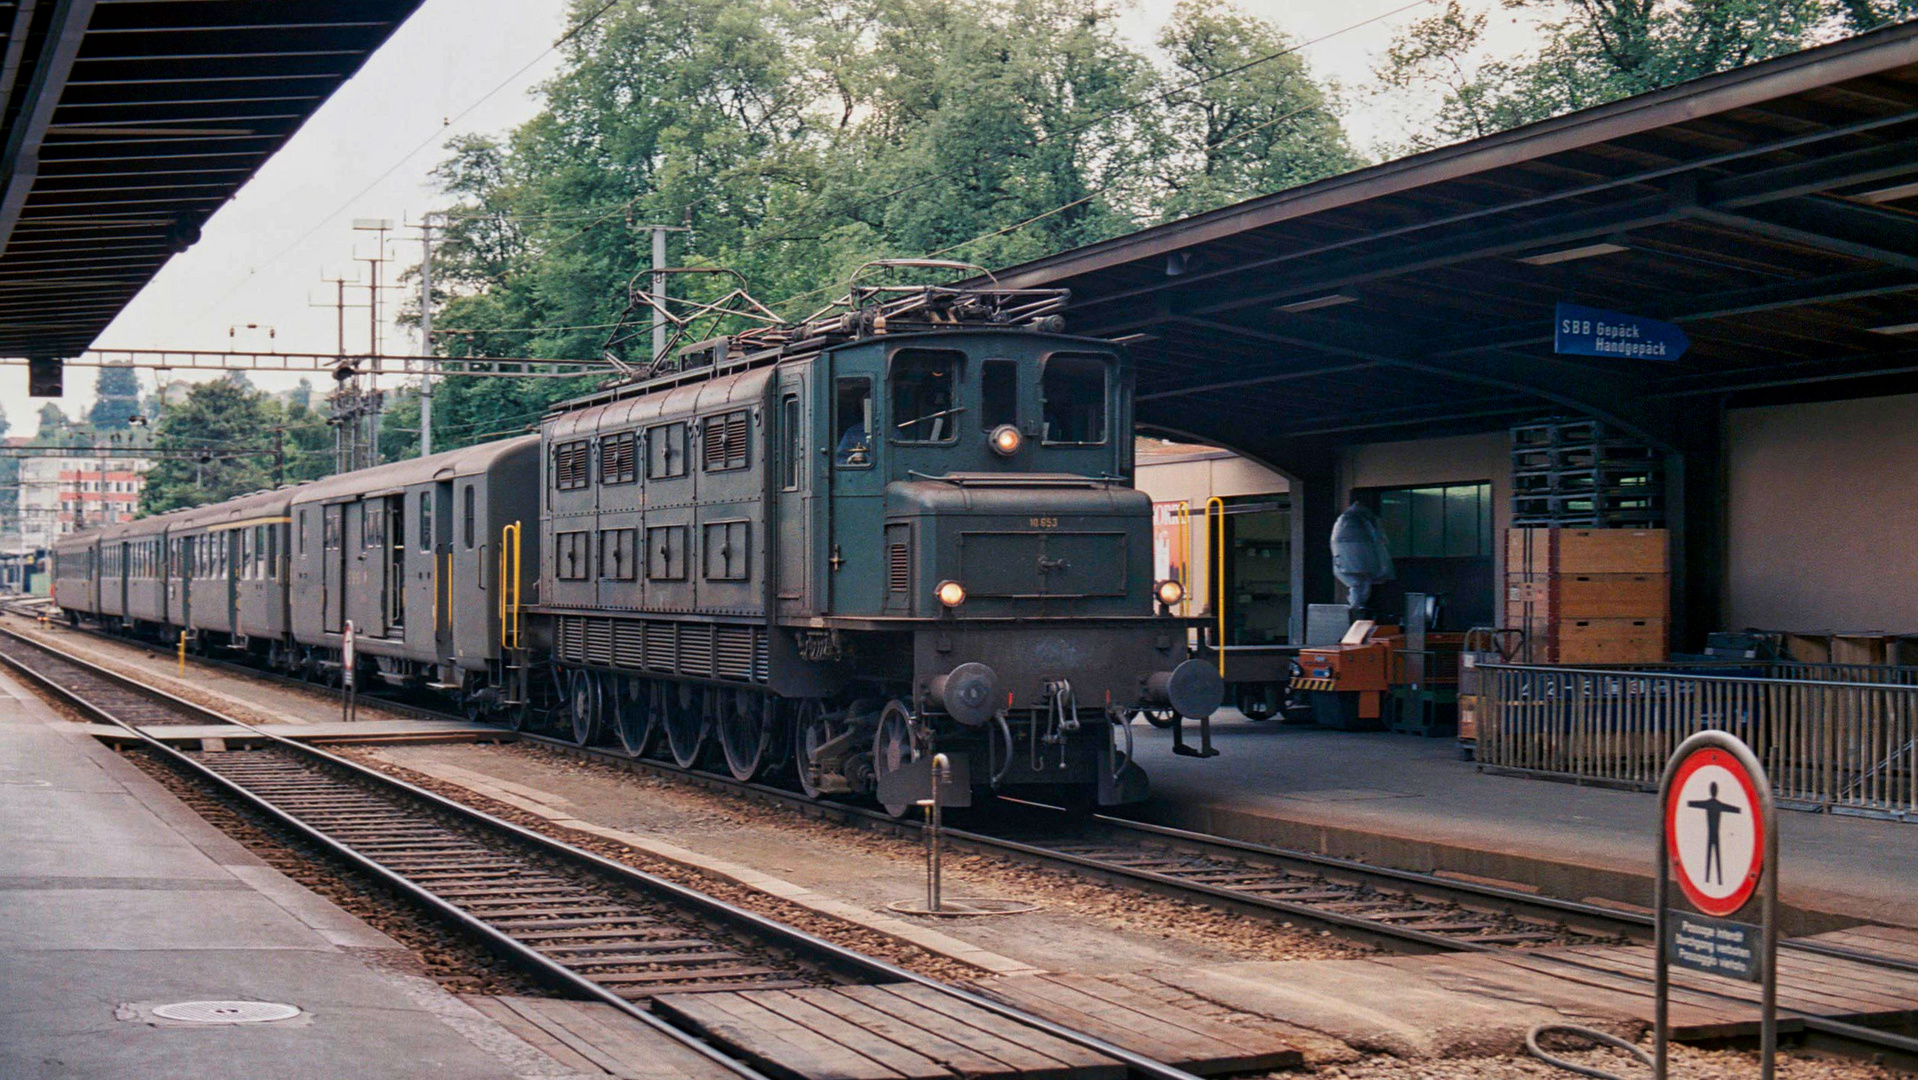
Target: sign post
{"x": 1718, "y": 837}
{"x": 349, "y": 673}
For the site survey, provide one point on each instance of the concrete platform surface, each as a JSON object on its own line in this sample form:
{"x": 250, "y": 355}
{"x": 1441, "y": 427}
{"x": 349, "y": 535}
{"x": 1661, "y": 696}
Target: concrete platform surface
{"x": 1406, "y": 802}
{"x": 115, "y": 898}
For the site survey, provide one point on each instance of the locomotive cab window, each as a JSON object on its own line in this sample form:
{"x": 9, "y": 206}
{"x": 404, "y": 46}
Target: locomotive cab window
{"x": 792, "y": 443}
{"x": 998, "y": 394}
{"x": 925, "y": 407}
{"x": 852, "y": 421}
{"x": 1073, "y": 390}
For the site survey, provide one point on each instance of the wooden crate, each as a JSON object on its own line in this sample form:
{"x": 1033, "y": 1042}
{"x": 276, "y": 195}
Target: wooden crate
{"x": 1610, "y": 641}
{"x": 1587, "y": 551}
{"x": 1587, "y": 596}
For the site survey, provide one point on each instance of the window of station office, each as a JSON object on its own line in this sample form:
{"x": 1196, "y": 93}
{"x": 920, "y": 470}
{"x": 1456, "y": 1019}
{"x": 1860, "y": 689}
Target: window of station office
{"x": 1442, "y": 542}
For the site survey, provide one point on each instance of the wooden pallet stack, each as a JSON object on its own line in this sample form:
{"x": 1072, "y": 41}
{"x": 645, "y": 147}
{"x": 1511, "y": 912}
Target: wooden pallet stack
{"x": 1583, "y": 473}
{"x": 1589, "y": 596}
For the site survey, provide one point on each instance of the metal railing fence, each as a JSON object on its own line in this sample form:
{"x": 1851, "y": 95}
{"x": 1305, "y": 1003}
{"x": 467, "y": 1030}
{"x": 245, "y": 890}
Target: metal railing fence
{"x": 1832, "y": 736}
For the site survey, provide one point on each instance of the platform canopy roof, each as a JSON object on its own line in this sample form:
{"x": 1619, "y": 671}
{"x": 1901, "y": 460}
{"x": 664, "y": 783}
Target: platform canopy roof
{"x": 125, "y": 124}
{"x": 1771, "y": 211}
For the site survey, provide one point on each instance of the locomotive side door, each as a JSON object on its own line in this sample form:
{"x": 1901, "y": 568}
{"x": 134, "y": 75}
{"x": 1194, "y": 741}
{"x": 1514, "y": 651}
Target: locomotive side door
{"x": 334, "y": 558}
{"x": 792, "y": 462}
{"x": 853, "y": 552}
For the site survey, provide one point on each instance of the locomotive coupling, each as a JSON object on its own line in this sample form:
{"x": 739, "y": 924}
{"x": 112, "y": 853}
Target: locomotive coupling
{"x": 968, "y": 693}
{"x": 1192, "y": 689}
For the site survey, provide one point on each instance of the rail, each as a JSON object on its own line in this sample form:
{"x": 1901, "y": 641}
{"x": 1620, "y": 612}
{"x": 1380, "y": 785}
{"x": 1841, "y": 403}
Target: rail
{"x": 1842, "y": 738}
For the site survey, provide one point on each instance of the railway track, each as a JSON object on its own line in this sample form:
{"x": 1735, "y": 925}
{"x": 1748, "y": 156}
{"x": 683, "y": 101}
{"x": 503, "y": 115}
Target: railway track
{"x": 583, "y": 924}
{"x": 1393, "y": 909}
{"x": 1396, "y": 909}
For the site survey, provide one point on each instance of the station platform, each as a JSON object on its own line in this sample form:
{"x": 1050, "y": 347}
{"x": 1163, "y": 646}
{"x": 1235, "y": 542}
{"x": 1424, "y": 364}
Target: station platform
{"x": 119, "y": 900}
{"x": 1410, "y": 803}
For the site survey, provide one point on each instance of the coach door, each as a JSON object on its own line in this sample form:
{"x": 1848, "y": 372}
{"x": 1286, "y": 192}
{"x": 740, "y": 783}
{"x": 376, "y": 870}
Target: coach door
{"x": 333, "y": 555}
{"x": 441, "y": 574}
{"x": 392, "y": 556}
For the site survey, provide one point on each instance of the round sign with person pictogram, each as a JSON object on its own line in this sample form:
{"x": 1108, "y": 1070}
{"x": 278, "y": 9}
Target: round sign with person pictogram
{"x": 1714, "y": 831}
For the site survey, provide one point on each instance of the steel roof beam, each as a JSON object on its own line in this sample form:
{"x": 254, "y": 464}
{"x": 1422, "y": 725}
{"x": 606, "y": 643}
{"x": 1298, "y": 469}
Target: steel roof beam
{"x": 20, "y": 160}
{"x": 1834, "y": 225}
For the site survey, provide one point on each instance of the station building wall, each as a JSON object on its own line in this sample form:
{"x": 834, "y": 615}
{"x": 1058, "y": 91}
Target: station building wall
{"x": 1822, "y": 516}
{"x": 1433, "y": 462}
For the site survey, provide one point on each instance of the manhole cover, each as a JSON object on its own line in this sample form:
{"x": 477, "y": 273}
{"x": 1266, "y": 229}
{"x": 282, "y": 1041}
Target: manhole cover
{"x": 226, "y": 1012}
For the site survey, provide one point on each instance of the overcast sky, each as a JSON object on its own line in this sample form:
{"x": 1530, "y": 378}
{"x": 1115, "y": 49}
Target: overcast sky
{"x": 366, "y": 155}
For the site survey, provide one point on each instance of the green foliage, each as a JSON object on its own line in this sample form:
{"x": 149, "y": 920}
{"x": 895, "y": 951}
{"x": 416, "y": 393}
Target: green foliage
{"x": 1241, "y": 135}
{"x": 1596, "y": 51}
{"x": 799, "y": 139}
{"x": 116, "y": 397}
{"x": 220, "y": 440}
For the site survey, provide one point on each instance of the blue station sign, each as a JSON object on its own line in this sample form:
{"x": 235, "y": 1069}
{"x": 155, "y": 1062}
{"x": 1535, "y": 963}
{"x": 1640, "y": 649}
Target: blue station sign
{"x": 1589, "y": 331}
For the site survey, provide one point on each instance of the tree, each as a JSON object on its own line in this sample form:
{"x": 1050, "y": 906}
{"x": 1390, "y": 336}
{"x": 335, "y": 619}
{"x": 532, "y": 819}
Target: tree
{"x": 9, "y": 475}
{"x": 58, "y": 429}
{"x": 216, "y": 443}
{"x": 1600, "y": 50}
{"x": 799, "y": 139}
{"x": 1245, "y": 111}
{"x": 116, "y": 397}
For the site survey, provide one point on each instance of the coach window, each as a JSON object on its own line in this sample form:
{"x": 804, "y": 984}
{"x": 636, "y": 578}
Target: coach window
{"x": 793, "y": 442}
{"x": 852, "y": 423}
{"x": 426, "y": 521}
{"x": 924, "y": 406}
{"x": 1073, "y": 389}
{"x": 466, "y": 522}
{"x": 998, "y": 394}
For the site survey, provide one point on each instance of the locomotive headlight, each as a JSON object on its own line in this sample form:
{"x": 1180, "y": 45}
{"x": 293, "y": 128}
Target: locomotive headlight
{"x": 1171, "y": 592}
{"x": 1006, "y": 440}
{"x": 950, "y": 593}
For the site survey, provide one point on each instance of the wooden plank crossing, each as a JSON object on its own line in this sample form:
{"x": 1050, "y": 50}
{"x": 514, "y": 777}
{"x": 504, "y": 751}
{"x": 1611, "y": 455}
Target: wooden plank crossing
{"x": 593, "y": 1039}
{"x": 889, "y": 1032}
{"x": 1134, "y": 1021}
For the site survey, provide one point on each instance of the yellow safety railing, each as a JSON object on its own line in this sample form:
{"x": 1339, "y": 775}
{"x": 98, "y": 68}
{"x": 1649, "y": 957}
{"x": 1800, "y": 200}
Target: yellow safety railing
{"x": 1215, "y": 525}
{"x": 1183, "y": 518}
{"x": 509, "y": 586}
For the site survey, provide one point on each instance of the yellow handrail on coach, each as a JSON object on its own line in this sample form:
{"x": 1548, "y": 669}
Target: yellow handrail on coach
{"x": 509, "y": 567}
{"x": 1215, "y": 525}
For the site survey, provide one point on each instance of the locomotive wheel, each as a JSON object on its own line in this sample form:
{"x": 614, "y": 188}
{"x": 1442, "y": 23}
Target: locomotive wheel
{"x": 745, "y": 730}
{"x": 894, "y": 746}
{"x": 584, "y": 703}
{"x": 1258, "y": 701}
{"x": 686, "y": 725}
{"x": 810, "y": 731}
{"x": 1163, "y": 719}
{"x": 635, "y": 715}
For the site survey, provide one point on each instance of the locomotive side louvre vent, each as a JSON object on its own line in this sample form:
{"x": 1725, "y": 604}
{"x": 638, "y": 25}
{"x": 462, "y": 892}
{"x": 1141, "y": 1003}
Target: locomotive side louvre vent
{"x": 723, "y": 441}
{"x": 696, "y": 650}
{"x": 618, "y": 458}
{"x": 735, "y": 652}
{"x": 660, "y": 647}
{"x": 899, "y": 567}
{"x": 572, "y": 465}
{"x": 599, "y": 642}
{"x": 629, "y": 644}
{"x": 570, "y": 641}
